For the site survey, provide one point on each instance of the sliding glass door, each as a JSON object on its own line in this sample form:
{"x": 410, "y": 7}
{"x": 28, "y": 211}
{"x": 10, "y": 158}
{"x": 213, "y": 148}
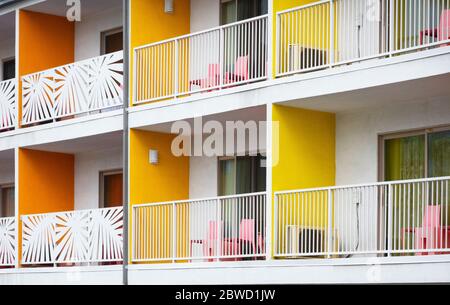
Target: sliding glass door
{"x": 422, "y": 154}
{"x": 416, "y": 155}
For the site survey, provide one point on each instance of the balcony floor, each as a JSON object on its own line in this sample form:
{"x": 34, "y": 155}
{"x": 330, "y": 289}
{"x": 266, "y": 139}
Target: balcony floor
{"x": 355, "y": 270}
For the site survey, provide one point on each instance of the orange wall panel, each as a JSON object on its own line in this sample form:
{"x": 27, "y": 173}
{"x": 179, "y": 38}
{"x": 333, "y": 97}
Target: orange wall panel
{"x": 46, "y": 182}
{"x": 45, "y": 41}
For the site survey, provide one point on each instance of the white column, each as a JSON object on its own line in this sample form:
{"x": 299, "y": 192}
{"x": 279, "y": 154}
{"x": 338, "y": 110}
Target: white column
{"x": 16, "y": 203}
{"x": 270, "y": 53}
{"x": 269, "y": 162}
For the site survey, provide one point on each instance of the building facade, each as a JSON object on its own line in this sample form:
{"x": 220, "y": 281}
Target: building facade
{"x": 267, "y": 141}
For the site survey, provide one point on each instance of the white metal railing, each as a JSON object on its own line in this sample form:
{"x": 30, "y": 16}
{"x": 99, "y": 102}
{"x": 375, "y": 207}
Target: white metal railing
{"x": 88, "y": 236}
{"x": 391, "y": 218}
{"x": 221, "y": 228}
{"x": 7, "y": 242}
{"x": 327, "y": 33}
{"x": 90, "y": 85}
{"x": 217, "y": 58}
{"x": 8, "y": 104}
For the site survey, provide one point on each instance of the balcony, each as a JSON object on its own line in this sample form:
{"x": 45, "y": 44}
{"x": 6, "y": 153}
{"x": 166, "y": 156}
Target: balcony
{"x": 77, "y": 237}
{"x": 326, "y": 34}
{"x": 215, "y": 59}
{"x": 90, "y": 86}
{"x": 230, "y": 228}
{"x": 391, "y": 218}
{"x": 8, "y": 104}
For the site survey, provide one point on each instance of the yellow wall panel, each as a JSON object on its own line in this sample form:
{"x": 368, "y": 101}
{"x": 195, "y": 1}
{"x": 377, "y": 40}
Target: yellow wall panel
{"x": 150, "y": 24}
{"x": 166, "y": 181}
{"x": 306, "y": 160}
{"x": 306, "y": 149}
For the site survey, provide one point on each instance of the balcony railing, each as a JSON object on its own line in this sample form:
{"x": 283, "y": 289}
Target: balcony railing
{"x": 222, "y": 228}
{"x": 336, "y": 32}
{"x": 391, "y": 218}
{"x": 92, "y": 85}
{"x": 90, "y": 236}
{"x": 222, "y": 57}
{"x": 8, "y": 104}
{"x": 7, "y": 242}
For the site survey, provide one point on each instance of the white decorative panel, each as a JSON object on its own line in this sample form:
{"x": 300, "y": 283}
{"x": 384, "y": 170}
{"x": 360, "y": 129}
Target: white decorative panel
{"x": 91, "y": 85}
{"x": 73, "y": 237}
{"x": 37, "y": 97}
{"x": 7, "y": 241}
{"x": 7, "y": 104}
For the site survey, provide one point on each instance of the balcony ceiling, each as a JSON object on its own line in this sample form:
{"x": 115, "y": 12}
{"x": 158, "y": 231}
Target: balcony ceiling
{"x": 409, "y": 91}
{"x": 88, "y": 7}
{"x": 7, "y": 26}
{"x": 99, "y": 142}
{"x": 247, "y": 114}
{"x": 6, "y": 157}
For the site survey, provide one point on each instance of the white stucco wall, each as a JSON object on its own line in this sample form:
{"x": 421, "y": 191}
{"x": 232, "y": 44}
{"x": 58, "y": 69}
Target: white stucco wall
{"x": 357, "y": 134}
{"x": 88, "y": 32}
{"x": 6, "y": 173}
{"x": 202, "y": 177}
{"x": 205, "y": 14}
{"x": 87, "y": 172}
{"x": 7, "y": 51}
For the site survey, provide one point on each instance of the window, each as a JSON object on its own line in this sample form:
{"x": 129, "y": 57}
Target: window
{"x": 415, "y": 155}
{"x": 111, "y": 189}
{"x": 241, "y": 175}
{"x": 7, "y": 202}
{"x": 237, "y": 10}
{"x": 9, "y": 69}
{"x": 112, "y": 41}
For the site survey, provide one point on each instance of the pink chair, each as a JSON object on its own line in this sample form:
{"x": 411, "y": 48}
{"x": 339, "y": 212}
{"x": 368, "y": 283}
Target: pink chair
{"x": 240, "y": 71}
{"x": 442, "y": 32}
{"x": 247, "y": 234}
{"x": 212, "y": 79}
{"x": 431, "y": 235}
{"x": 210, "y": 243}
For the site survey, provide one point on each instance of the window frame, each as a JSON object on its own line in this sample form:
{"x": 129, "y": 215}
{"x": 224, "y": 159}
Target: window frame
{"x": 101, "y": 193}
{"x": 403, "y": 134}
{"x": 4, "y": 62}
{"x": 6, "y": 186}
{"x": 253, "y": 171}
{"x": 105, "y": 34}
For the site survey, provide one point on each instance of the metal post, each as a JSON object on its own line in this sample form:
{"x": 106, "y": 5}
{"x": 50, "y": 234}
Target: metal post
{"x": 221, "y": 56}
{"x": 331, "y": 32}
{"x": 390, "y": 209}
{"x": 174, "y": 232}
{"x": 391, "y": 27}
{"x": 176, "y": 76}
{"x": 126, "y": 64}
{"x": 218, "y": 228}
{"x": 330, "y": 223}
{"x": 270, "y": 35}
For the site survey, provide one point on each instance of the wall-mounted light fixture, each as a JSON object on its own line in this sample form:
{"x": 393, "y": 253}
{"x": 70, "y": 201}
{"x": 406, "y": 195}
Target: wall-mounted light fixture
{"x": 168, "y": 6}
{"x": 153, "y": 157}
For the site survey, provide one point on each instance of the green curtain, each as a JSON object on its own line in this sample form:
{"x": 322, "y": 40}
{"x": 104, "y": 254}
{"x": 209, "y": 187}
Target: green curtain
{"x": 227, "y": 176}
{"x": 405, "y": 158}
{"x": 243, "y": 175}
{"x": 439, "y": 154}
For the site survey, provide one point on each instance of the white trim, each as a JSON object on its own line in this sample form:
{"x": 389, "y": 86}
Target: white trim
{"x": 354, "y": 261}
{"x": 17, "y": 204}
